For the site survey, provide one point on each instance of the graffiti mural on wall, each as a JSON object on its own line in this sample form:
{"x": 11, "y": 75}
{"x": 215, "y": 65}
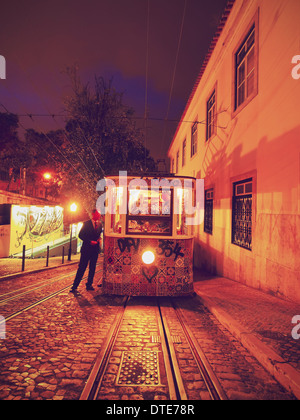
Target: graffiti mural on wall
{"x": 34, "y": 225}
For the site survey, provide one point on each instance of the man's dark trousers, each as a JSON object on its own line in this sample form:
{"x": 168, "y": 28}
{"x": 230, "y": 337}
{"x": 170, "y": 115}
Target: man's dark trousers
{"x": 87, "y": 256}
{"x": 89, "y": 252}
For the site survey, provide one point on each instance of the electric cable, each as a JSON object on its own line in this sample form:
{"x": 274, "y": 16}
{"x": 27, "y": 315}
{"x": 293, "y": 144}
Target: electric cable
{"x": 174, "y": 73}
{"x": 173, "y": 120}
{"x": 146, "y": 82}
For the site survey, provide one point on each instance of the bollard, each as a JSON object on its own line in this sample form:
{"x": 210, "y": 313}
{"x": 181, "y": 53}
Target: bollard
{"x": 23, "y": 258}
{"x": 48, "y": 251}
{"x": 63, "y": 255}
{"x": 70, "y": 252}
{"x": 2, "y": 328}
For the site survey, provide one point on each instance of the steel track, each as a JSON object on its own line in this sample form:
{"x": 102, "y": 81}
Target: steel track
{"x": 211, "y": 381}
{"x": 37, "y": 286}
{"x": 28, "y": 289}
{"x": 94, "y": 381}
{"x": 175, "y": 382}
{"x": 40, "y": 301}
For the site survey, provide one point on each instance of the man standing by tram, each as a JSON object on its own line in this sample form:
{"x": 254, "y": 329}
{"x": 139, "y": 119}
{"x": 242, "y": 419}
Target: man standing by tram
{"x": 90, "y": 235}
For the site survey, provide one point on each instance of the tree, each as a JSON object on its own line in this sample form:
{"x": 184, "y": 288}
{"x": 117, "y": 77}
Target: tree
{"x": 33, "y": 153}
{"x": 14, "y": 154}
{"x": 9, "y": 124}
{"x": 102, "y": 137}
{"x": 45, "y": 158}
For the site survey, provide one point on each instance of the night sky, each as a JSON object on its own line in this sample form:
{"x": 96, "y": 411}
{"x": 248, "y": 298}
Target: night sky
{"x": 40, "y": 38}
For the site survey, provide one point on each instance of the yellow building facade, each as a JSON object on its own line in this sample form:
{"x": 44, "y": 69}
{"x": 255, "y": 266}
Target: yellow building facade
{"x": 240, "y": 132}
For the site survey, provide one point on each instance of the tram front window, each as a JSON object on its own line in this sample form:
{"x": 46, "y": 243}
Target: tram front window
{"x": 149, "y": 212}
{"x": 153, "y": 202}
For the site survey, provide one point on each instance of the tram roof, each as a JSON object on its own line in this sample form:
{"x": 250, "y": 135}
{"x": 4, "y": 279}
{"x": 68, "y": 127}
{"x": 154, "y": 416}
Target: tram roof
{"x": 159, "y": 175}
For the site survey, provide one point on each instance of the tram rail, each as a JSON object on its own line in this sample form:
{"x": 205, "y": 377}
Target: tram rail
{"x": 32, "y": 287}
{"x": 28, "y": 289}
{"x": 36, "y": 287}
{"x": 212, "y": 383}
{"x": 95, "y": 379}
{"x": 174, "y": 379}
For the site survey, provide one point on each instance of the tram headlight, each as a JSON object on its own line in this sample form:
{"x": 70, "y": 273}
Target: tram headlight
{"x": 148, "y": 257}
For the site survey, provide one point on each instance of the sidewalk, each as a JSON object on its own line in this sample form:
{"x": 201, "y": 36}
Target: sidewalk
{"x": 261, "y": 322}
{"x": 13, "y": 266}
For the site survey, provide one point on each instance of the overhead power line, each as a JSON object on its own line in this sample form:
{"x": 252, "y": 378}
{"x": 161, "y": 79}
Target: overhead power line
{"x": 146, "y": 82}
{"x": 171, "y": 120}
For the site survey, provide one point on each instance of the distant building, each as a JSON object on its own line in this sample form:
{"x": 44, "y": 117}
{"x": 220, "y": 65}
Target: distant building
{"x": 22, "y": 184}
{"x": 240, "y": 132}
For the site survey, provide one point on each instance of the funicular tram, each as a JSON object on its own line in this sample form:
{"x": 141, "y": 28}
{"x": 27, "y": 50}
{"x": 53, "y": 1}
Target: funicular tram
{"x": 148, "y": 244}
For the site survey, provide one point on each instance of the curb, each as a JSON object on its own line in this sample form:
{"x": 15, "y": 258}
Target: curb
{"x": 282, "y": 371}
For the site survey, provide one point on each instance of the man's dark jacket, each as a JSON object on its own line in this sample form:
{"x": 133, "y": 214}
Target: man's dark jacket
{"x": 87, "y": 234}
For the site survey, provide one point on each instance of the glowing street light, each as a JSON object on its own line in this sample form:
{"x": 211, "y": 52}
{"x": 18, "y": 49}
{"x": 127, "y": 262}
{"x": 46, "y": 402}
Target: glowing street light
{"x": 47, "y": 176}
{"x": 73, "y": 207}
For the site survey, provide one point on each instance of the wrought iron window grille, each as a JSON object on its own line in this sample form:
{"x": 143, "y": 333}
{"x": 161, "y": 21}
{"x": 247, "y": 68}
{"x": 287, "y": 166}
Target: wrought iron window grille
{"x": 208, "y": 211}
{"x": 242, "y": 214}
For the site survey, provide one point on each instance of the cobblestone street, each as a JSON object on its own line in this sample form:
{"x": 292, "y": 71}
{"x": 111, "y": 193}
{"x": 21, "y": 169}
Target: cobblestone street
{"x": 50, "y": 349}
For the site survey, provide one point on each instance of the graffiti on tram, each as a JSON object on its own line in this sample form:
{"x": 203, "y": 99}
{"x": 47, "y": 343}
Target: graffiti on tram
{"x": 166, "y": 247}
{"x": 128, "y": 243}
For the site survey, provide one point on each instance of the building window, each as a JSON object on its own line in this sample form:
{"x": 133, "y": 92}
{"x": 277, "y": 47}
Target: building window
{"x": 177, "y": 162}
{"x": 242, "y": 214}
{"x": 208, "y": 211}
{"x": 173, "y": 166}
{"x": 5, "y": 214}
{"x": 4, "y": 175}
{"x": 211, "y": 116}
{"x": 183, "y": 152}
{"x": 194, "y": 139}
{"x": 245, "y": 69}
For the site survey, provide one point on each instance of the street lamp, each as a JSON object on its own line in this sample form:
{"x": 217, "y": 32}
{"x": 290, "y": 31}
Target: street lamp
{"x": 47, "y": 181}
{"x": 47, "y": 176}
{"x": 73, "y": 208}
